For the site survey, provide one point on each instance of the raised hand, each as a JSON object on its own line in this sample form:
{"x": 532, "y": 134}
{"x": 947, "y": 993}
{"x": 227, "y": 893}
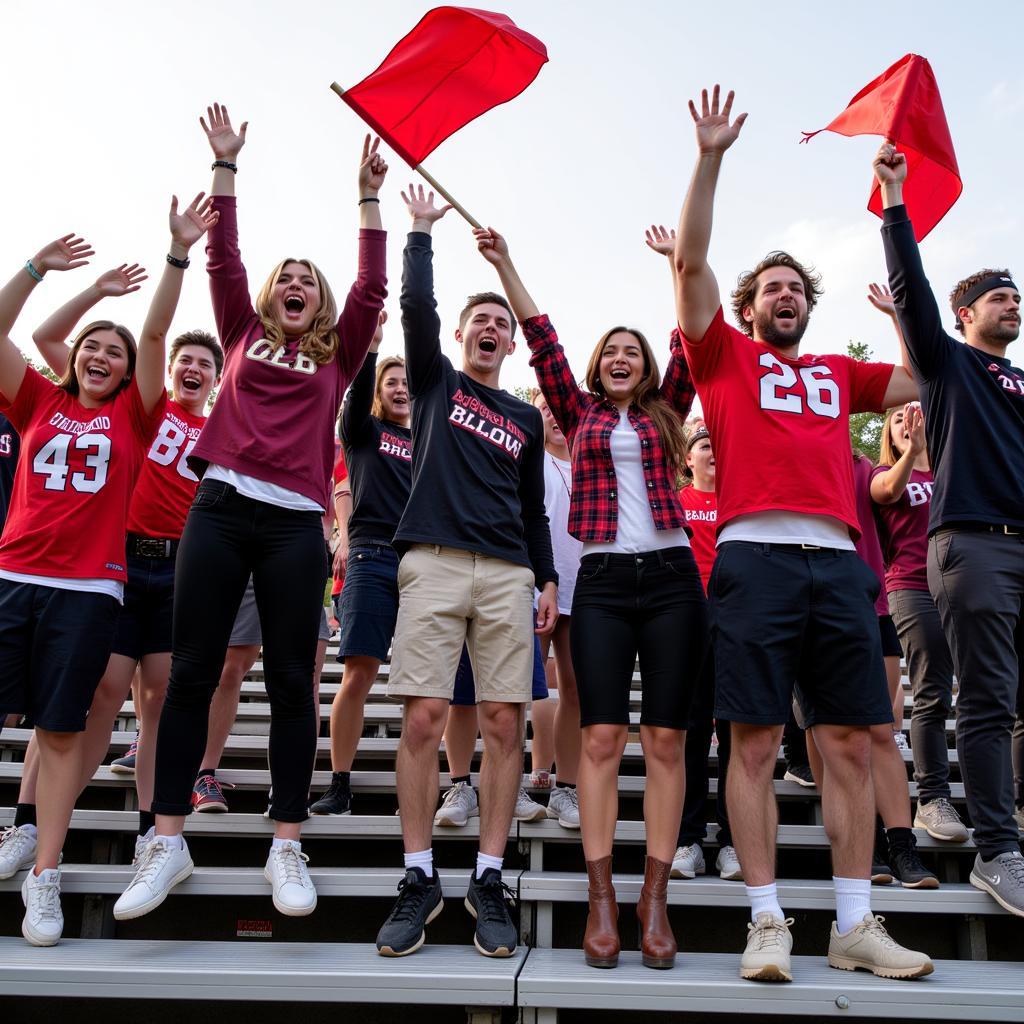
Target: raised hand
{"x": 122, "y": 280}
{"x": 372, "y": 168}
{"x": 491, "y": 245}
{"x": 224, "y": 141}
{"x": 190, "y": 225}
{"x": 65, "y": 253}
{"x": 421, "y": 206}
{"x": 660, "y": 240}
{"x": 889, "y": 165}
{"x": 881, "y": 298}
{"x": 714, "y": 133}
{"x": 913, "y": 424}
{"x": 378, "y": 334}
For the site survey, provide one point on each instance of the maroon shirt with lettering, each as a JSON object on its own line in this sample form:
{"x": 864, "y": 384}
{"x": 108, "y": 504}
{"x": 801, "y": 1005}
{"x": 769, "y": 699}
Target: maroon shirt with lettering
{"x": 904, "y": 533}
{"x": 868, "y": 546}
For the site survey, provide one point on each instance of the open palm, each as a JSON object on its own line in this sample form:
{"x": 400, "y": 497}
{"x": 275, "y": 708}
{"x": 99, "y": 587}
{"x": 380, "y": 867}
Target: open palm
{"x": 714, "y": 132}
{"x": 122, "y": 280}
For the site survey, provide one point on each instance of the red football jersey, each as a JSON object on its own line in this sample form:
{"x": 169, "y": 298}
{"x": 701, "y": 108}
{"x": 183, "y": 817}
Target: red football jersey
{"x": 74, "y": 481}
{"x": 340, "y": 473}
{"x": 701, "y": 508}
{"x": 166, "y": 485}
{"x": 781, "y": 426}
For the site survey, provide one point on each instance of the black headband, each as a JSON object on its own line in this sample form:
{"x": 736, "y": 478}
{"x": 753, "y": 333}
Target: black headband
{"x": 698, "y": 435}
{"x": 987, "y": 284}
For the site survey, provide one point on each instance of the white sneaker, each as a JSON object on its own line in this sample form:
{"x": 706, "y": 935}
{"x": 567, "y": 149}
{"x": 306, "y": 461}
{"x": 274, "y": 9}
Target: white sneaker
{"x": 140, "y": 845}
{"x": 458, "y": 806}
{"x": 44, "y": 920}
{"x": 294, "y": 892}
{"x": 769, "y": 944}
{"x": 901, "y": 741}
{"x": 159, "y": 868}
{"x": 728, "y": 864}
{"x": 564, "y": 804}
{"x": 17, "y": 849}
{"x": 528, "y": 809}
{"x": 939, "y": 819}
{"x": 688, "y": 862}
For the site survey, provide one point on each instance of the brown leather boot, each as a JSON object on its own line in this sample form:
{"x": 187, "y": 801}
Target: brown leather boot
{"x": 657, "y": 943}
{"x": 601, "y": 942}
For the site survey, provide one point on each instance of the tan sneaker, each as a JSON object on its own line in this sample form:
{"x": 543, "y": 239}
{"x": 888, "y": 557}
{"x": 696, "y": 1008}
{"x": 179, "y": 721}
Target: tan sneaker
{"x": 769, "y": 944}
{"x": 870, "y": 947}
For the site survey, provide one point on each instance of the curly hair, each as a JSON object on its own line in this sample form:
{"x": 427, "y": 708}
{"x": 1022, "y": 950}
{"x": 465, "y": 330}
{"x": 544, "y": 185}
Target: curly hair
{"x": 321, "y": 341}
{"x": 746, "y": 285}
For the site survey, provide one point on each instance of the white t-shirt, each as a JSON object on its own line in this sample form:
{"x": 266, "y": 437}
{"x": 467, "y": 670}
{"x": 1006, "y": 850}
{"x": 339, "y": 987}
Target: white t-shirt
{"x": 774, "y": 527}
{"x": 260, "y": 490}
{"x": 112, "y": 588}
{"x": 565, "y": 548}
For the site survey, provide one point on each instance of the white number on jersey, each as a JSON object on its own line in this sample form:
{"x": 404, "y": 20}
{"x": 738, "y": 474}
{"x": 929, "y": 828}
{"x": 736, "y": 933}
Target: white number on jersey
{"x": 166, "y": 446}
{"x": 780, "y": 390}
{"x": 51, "y": 461}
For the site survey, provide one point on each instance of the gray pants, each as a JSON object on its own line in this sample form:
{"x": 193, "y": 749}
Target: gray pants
{"x": 977, "y": 581}
{"x": 930, "y": 666}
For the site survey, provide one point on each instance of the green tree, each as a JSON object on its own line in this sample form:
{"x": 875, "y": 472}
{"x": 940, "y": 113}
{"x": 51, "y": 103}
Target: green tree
{"x": 865, "y": 427}
{"x": 522, "y": 393}
{"x": 44, "y": 370}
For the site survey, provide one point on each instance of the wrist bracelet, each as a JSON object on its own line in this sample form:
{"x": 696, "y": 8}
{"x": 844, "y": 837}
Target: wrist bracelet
{"x": 224, "y": 163}
{"x": 368, "y": 199}
{"x": 175, "y": 262}
{"x": 32, "y": 272}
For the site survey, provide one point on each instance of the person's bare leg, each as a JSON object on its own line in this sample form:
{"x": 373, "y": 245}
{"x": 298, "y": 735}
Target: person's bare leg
{"x": 110, "y": 695}
{"x": 318, "y": 668}
{"x": 598, "y": 787}
{"x": 460, "y": 739}
{"x": 753, "y": 813}
{"x": 847, "y": 797}
{"x": 895, "y": 681}
{"x": 224, "y": 706}
{"x": 665, "y": 788}
{"x": 416, "y": 768}
{"x": 567, "y": 713}
{"x": 154, "y": 672}
{"x": 814, "y": 759}
{"x": 60, "y": 769}
{"x": 542, "y": 716}
{"x": 501, "y": 772}
{"x": 347, "y": 710}
{"x": 29, "y": 772}
{"x": 889, "y": 772}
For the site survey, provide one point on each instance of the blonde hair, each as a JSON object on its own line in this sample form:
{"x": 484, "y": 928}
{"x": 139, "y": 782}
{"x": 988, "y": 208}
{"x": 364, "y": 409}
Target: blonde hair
{"x": 377, "y": 409}
{"x": 321, "y": 341}
{"x": 887, "y": 453}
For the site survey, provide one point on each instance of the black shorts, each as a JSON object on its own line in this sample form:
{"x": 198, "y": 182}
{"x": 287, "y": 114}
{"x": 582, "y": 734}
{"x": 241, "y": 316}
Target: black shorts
{"x": 786, "y": 614}
{"x": 54, "y": 648}
{"x": 890, "y": 638}
{"x": 144, "y": 624}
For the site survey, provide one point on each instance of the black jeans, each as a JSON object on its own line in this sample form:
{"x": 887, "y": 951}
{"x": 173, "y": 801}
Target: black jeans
{"x": 227, "y": 537}
{"x": 930, "y": 667}
{"x": 977, "y": 581}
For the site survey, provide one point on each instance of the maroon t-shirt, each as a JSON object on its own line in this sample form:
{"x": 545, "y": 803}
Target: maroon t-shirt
{"x": 867, "y": 545}
{"x": 904, "y": 534}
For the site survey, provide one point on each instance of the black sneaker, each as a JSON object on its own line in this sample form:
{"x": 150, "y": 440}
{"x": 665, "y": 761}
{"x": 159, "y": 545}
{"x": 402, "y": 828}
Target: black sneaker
{"x": 906, "y": 863}
{"x": 881, "y": 873}
{"x": 337, "y": 800}
{"x": 419, "y": 902}
{"x": 496, "y": 934}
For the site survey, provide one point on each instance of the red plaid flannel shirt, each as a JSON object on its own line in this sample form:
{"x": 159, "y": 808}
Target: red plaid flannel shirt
{"x": 588, "y": 421}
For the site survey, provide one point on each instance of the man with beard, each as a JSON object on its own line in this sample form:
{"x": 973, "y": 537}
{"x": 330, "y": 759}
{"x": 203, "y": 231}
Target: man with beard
{"x": 791, "y": 601}
{"x": 973, "y": 400}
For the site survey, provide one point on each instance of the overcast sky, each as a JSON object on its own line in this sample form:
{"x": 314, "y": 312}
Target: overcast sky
{"x": 101, "y": 126}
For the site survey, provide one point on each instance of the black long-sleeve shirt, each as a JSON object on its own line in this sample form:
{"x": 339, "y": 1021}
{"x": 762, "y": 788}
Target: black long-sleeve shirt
{"x": 973, "y": 402}
{"x": 478, "y": 452}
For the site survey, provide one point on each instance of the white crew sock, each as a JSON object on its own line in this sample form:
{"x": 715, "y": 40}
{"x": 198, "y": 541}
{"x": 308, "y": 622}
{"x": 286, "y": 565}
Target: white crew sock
{"x": 764, "y": 899}
{"x": 853, "y": 901}
{"x": 485, "y": 861}
{"x": 31, "y": 830}
{"x": 174, "y": 842}
{"x": 149, "y": 834}
{"x": 278, "y": 843}
{"x": 424, "y": 860}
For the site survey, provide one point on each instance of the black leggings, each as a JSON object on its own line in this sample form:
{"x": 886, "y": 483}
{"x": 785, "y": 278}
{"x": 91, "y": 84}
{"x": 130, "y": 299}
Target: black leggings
{"x": 227, "y": 537}
{"x": 650, "y": 606}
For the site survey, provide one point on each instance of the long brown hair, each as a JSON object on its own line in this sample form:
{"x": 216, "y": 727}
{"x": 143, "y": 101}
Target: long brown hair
{"x": 887, "y": 453}
{"x": 646, "y": 397}
{"x": 377, "y": 409}
{"x": 69, "y": 381}
{"x": 320, "y": 342}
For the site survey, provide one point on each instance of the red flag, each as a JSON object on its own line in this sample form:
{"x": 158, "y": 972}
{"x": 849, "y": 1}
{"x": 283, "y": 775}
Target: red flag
{"x": 903, "y": 104}
{"x": 453, "y": 66}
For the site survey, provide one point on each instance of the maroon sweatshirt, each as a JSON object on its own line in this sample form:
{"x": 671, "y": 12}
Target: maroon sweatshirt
{"x": 275, "y": 413}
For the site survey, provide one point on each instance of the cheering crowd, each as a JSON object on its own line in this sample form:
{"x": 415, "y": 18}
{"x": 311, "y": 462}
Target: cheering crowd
{"x": 767, "y": 579}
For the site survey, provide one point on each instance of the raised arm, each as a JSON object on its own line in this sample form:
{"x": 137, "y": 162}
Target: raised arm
{"x": 226, "y": 144}
{"x": 186, "y": 229}
{"x": 902, "y": 386}
{"x": 65, "y": 253}
{"x": 420, "y": 322}
{"x": 697, "y": 294}
{"x": 663, "y": 242}
{"x": 355, "y": 413}
{"x": 494, "y": 249}
{"x": 888, "y": 487}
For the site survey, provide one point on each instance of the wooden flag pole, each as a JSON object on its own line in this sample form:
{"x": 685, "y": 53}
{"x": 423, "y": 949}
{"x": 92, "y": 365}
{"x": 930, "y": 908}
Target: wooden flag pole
{"x": 421, "y": 170}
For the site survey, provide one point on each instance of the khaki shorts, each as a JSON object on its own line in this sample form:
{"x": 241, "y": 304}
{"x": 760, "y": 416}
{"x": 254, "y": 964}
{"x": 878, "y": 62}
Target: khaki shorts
{"x": 447, "y": 596}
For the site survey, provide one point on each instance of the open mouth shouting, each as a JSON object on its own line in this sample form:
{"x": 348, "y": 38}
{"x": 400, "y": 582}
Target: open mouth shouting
{"x": 619, "y": 373}
{"x": 294, "y": 307}
{"x": 488, "y": 345}
{"x": 97, "y": 374}
{"x": 191, "y": 384}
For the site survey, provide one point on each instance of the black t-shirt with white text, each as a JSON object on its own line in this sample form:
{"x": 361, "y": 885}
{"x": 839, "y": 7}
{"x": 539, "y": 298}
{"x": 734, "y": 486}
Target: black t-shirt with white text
{"x": 10, "y": 449}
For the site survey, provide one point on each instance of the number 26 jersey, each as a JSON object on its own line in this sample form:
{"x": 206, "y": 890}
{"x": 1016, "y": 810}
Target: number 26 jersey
{"x": 74, "y": 481}
{"x": 781, "y": 426}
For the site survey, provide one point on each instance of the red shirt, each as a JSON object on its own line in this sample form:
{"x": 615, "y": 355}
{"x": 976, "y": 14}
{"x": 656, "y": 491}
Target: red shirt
{"x": 868, "y": 546}
{"x": 74, "y": 481}
{"x": 781, "y": 425}
{"x": 587, "y": 421}
{"x": 904, "y": 533}
{"x": 701, "y": 508}
{"x": 166, "y": 485}
{"x": 340, "y": 473}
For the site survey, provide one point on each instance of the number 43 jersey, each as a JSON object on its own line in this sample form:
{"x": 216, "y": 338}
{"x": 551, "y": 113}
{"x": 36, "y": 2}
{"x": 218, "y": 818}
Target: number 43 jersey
{"x": 781, "y": 426}
{"x": 74, "y": 481}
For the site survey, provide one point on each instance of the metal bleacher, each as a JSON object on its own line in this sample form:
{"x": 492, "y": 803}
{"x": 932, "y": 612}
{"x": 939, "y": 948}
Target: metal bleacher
{"x": 217, "y": 939}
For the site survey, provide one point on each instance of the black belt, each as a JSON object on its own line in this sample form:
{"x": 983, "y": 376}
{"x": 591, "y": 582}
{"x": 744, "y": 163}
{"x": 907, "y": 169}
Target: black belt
{"x": 152, "y": 547}
{"x": 1001, "y": 528}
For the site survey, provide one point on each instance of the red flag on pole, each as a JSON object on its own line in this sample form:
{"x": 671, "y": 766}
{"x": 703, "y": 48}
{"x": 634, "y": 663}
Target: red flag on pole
{"x": 903, "y": 104}
{"x": 455, "y": 65}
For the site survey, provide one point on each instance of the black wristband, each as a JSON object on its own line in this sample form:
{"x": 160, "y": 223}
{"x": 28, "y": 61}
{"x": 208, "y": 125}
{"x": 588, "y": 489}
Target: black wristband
{"x": 368, "y": 199}
{"x": 175, "y": 262}
{"x": 224, "y": 163}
